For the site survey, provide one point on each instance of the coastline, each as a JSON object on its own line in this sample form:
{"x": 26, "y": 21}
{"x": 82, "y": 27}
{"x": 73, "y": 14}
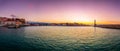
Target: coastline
{"x": 110, "y": 26}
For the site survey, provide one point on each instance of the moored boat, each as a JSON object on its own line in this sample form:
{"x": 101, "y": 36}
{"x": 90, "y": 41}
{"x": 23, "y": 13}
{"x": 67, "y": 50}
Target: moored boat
{"x": 13, "y": 26}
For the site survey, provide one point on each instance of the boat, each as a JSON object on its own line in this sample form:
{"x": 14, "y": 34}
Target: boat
{"x": 1, "y": 25}
{"x": 13, "y": 26}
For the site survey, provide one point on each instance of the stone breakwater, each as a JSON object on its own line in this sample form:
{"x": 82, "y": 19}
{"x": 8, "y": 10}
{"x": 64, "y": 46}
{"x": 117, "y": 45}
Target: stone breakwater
{"x": 110, "y": 26}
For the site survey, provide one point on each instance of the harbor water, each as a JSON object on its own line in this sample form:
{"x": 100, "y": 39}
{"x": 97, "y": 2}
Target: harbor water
{"x": 59, "y": 38}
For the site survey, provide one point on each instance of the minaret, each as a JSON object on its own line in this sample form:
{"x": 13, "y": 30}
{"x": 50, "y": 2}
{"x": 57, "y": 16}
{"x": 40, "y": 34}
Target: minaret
{"x": 94, "y": 23}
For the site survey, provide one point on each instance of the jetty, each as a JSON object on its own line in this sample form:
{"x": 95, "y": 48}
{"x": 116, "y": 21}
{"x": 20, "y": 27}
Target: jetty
{"x": 110, "y": 26}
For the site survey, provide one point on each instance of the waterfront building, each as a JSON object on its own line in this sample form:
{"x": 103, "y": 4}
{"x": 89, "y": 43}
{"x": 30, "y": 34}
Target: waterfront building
{"x": 4, "y": 21}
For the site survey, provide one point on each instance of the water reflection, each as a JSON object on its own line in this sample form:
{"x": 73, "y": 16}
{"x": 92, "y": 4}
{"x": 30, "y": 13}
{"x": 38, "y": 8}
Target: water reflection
{"x": 60, "y": 38}
{"x": 70, "y": 38}
{"x": 11, "y": 39}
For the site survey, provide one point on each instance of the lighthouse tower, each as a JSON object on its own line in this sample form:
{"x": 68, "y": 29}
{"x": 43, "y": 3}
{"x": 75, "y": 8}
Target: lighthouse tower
{"x": 94, "y": 23}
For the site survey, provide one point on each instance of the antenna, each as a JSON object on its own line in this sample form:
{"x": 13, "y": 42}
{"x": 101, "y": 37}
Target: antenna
{"x": 13, "y": 16}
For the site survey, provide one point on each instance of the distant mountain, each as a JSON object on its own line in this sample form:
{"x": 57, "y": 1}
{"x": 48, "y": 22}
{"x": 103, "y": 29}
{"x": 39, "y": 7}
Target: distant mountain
{"x": 31, "y": 22}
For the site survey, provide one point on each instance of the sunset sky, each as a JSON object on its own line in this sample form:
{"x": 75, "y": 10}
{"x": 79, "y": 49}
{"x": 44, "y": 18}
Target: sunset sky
{"x": 82, "y": 11}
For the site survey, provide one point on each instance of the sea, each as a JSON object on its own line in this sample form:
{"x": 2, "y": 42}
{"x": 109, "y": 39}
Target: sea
{"x": 59, "y": 38}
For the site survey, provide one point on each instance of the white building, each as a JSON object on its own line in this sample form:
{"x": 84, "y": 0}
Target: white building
{"x": 10, "y": 23}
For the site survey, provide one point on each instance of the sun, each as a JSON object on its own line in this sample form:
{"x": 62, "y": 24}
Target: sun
{"x": 82, "y": 20}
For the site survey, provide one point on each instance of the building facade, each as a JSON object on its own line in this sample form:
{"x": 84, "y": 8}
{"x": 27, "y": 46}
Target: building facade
{"x": 4, "y": 21}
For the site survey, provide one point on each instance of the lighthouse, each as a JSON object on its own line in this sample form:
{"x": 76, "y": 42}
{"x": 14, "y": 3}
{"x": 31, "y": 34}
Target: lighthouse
{"x": 94, "y": 23}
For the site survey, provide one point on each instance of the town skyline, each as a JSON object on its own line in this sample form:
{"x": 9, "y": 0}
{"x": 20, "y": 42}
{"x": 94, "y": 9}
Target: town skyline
{"x": 105, "y": 12}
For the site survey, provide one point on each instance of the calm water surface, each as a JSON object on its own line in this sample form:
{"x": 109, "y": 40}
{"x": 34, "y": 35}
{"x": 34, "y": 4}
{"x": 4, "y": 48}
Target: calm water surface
{"x": 59, "y": 38}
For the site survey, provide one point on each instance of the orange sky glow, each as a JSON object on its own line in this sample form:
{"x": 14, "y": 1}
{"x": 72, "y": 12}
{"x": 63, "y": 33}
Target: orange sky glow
{"x": 56, "y": 11}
